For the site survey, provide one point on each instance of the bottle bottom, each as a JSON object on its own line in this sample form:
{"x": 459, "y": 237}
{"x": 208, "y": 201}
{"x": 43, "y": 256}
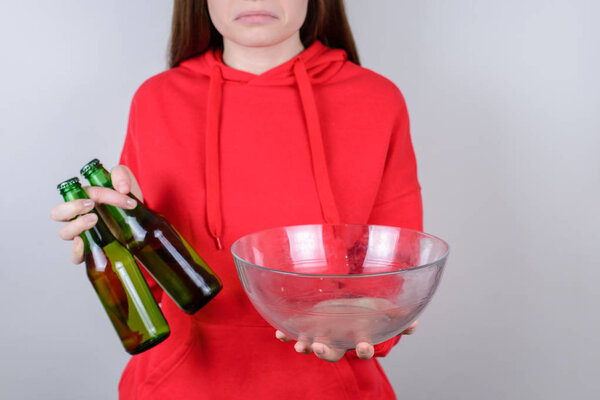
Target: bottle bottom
{"x": 149, "y": 344}
{"x": 192, "y": 308}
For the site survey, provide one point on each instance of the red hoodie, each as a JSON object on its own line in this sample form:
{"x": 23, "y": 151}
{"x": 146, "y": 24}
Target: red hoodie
{"x": 223, "y": 153}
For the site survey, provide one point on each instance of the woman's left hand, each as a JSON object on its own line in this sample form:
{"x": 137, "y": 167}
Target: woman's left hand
{"x": 364, "y": 350}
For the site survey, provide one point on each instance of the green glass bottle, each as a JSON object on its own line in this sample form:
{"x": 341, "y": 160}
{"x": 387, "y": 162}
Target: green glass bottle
{"x": 166, "y": 255}
{"x": 119, "y": 283}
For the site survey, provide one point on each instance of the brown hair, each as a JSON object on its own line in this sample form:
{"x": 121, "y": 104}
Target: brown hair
{"x": 192, "y": 31}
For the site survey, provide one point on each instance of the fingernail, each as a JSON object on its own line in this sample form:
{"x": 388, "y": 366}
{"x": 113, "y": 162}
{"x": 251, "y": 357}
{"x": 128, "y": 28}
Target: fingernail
{"x": 318, "y": 350}
{"x": 131, "y": 203}
{"x": 90, "y": 217}
{"x": 122, "y": 186}
{"x": 87, "y": 203}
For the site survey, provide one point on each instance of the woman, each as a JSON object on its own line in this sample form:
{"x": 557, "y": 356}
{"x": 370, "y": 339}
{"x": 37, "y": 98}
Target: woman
{"x": 264, "y": 119}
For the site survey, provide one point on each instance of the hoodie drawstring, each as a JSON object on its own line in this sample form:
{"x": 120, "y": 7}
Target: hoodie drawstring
{"x": 317, "y": 150}
{"x": 213, "y": 169}
{"x": 212, "y": 157}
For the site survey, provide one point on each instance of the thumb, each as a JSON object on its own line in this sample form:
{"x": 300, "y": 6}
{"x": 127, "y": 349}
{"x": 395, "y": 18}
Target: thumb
{"x": 124, "y": 181}
{"x": 121, "y": 179}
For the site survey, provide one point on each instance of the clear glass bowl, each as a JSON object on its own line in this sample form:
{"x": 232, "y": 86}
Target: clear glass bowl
{"x": 340, "y": 284}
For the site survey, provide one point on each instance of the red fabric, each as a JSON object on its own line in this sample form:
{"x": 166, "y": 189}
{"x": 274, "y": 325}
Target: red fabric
{"x": 212, "y": 156}
{"x": 315, "y": 139}
{"x": 223, "y": 153}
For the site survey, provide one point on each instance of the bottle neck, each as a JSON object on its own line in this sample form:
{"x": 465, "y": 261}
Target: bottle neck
{"x": 128, "y": 220}
{"x": 99, "y": 235}
{"x": 99, "y": 177}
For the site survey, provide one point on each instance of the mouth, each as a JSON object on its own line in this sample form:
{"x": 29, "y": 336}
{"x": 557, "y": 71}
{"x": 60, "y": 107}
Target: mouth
{"x": 256, "y": 16}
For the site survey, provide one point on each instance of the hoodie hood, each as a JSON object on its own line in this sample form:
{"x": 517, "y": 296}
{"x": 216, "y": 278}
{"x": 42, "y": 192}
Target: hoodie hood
{"x": 321, "y": 62}
{"x": 315, "y": 65}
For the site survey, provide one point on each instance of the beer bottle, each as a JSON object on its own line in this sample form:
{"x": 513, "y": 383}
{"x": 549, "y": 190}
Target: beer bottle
{"x": 164, "y": 253}
{"x": 119, "y": 283}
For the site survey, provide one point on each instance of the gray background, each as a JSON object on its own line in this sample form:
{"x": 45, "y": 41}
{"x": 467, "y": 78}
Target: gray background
{"x": 504, "y": 99}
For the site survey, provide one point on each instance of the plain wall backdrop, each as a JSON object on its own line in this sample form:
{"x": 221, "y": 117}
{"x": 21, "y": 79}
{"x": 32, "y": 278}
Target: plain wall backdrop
{"x": 504, "y": 98}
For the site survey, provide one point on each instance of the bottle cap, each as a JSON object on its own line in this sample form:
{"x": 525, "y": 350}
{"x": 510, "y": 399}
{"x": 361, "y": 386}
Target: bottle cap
{"x": 90, "y": 167}
{"x": 68, "y": 184}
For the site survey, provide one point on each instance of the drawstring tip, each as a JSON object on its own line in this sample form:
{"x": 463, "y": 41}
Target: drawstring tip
{"x": 219, "y": 245}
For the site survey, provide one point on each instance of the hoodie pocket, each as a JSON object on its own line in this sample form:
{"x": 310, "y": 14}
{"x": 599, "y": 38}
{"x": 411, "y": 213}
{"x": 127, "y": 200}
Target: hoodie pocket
{"x": 154, "y": 367}
{"x": 162, "y": 371}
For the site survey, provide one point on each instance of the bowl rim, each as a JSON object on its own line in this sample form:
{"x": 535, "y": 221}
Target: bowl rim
{"x": 303, "y": 274}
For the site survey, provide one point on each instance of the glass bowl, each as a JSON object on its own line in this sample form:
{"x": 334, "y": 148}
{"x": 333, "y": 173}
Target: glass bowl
{"x": 340, "y": 284}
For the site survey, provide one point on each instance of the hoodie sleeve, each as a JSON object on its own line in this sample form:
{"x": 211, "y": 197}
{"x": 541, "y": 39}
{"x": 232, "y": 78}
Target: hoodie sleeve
{"x": 130, "y": 158}
{"x": 398, "y": 202}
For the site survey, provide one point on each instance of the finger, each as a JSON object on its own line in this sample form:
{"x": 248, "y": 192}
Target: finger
{"x": 75, "y": 227}
{"x": 69, "y": 210}
{"x": 121, "y": 179}
{"x": 364, "y": 350}
{"x": 282, "y": 336}
{"x": 102, "y": 195}
{"x": 124, "y": 181}
{"x": 77, "y": 256}
{"x": 327, "y": 353}
{"x": 303, "y": 348}
{"x": 411, "y": 329}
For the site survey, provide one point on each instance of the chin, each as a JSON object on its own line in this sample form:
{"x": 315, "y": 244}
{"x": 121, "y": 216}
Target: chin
{"x": 258, "y": 38}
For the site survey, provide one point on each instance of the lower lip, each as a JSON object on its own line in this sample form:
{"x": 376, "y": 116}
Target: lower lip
{"x": 256, "y": 19}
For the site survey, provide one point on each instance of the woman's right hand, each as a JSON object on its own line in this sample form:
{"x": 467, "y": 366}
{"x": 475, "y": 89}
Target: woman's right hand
{"x": 72, "y": 212}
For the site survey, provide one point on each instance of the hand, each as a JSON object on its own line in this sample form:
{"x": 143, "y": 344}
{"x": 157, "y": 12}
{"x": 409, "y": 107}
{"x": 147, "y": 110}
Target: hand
{"x": 72, "y": 212}
{"x": 364, "y": 350}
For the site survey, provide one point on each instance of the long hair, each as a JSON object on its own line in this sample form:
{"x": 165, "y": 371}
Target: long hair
{"x": 192, "y": 31}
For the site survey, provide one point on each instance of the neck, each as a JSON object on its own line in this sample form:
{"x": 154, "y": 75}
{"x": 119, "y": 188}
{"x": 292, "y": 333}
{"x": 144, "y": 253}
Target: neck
{"x": 98, "y": 235}
{"x": 257, "y": 60}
